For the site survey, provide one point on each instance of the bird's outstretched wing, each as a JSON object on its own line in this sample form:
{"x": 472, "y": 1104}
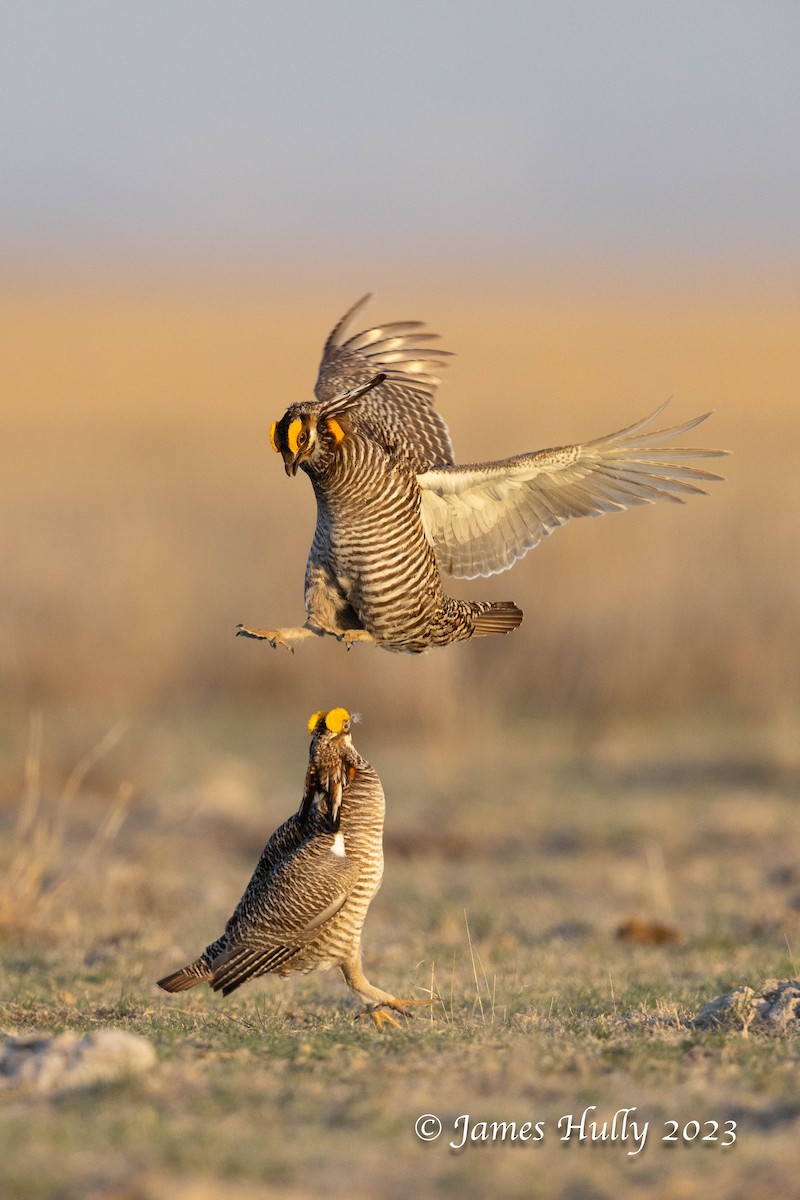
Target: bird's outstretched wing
{"x": 399, "y": 414}
{"x": 482, "y": 518}
{"x": 303, "y": 894}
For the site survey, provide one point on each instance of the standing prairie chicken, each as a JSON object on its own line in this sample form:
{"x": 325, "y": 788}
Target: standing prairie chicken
{"x": 394, "y": 509}
{"x": 305, "y": 906}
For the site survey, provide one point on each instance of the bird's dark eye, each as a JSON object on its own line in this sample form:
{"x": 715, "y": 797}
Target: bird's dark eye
{"x": 302, "y": 439}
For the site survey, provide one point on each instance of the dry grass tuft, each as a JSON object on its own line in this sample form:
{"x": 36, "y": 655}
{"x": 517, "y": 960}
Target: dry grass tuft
{"x": 38, "y": 871}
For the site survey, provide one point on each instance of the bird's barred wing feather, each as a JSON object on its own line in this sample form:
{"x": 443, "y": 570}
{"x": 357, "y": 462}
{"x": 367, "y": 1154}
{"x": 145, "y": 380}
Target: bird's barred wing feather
{"x": 399, "y": 414}
{"x": 482, "y": 518}
{"x": 302, "y": 895}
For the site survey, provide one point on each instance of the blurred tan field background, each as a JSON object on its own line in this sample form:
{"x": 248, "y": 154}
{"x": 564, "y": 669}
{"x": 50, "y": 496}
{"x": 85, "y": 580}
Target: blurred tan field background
{"x": 144, "y": 514}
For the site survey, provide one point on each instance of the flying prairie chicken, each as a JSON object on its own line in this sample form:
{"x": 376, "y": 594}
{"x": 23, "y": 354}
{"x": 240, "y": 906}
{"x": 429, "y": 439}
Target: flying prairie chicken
{"x": 394, "y": 509}
{"x": 305, "y": 906}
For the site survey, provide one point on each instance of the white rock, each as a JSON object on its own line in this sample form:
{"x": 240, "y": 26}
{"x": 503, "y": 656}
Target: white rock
{"x": 774, "y": 1009}
{"x": 69, "y": 1060}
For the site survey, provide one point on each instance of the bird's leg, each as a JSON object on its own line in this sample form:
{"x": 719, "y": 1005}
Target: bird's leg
{"x": 281, "y": 637}
{"x": 378, "y": 1001}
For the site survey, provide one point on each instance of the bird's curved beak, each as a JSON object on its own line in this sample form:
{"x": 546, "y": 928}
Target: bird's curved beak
{"x": 290, "y": 462}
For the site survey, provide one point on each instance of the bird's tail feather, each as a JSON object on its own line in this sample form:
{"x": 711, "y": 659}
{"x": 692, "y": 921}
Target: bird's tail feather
{"x": 500, "y": 617}
{"x": 188, "y": 977}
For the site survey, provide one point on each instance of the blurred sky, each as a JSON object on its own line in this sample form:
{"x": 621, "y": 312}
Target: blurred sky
{"x": 415, "y": 132}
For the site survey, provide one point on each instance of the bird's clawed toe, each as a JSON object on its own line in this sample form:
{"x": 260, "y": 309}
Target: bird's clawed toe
{"x": 273, "y": 636}
{"x": 380, "y": 1017}
{"x": 351, "y": 636}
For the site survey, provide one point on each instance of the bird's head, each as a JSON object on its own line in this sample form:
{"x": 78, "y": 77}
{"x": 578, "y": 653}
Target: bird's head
{"x": 331, "y": 728}
{"x": 298, "y": 434}
{"x": 309, "y": 432}
{"x": 330, "y": 766}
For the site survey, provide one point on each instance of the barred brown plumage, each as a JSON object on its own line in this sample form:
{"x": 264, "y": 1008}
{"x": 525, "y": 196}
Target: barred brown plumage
{"x": 305, "y": 906}
{"x": 394, "y": 509}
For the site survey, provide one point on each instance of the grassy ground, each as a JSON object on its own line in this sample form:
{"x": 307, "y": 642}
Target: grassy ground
{"x": 508, "y": 873}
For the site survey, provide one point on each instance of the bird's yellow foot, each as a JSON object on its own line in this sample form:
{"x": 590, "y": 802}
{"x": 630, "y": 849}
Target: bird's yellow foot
{"x": 380, "y": 1018}
{"x": 273, "y": 636}
{"x": 379, "y": 1014}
